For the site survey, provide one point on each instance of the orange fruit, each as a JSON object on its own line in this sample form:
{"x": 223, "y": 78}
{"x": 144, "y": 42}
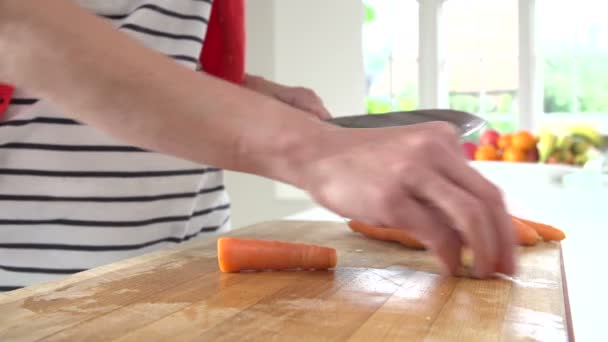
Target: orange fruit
{"x": 504, "y": 141}
{"x": 487, "y": 152}
{"x": 523, "y": 140}
{"x": 513, "y": 154}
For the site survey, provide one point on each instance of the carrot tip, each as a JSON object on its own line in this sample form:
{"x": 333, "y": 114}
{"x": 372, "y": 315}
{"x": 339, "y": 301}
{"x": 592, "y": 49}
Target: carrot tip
{"x": 547, "y": 232}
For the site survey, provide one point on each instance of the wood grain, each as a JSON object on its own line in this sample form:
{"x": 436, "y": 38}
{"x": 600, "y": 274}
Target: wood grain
{"x": 380, "y": 291}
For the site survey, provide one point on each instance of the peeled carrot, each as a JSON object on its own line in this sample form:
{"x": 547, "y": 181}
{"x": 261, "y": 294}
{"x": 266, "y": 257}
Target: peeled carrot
{"x": 547, "y": 232}
{"x": 385, "y": 234}
{"x": 235, "y": 255}
{"x": 525, "y": 234}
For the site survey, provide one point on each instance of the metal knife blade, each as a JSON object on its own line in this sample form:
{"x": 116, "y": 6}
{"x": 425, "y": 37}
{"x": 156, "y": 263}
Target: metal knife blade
{"x": 466, "y": 123}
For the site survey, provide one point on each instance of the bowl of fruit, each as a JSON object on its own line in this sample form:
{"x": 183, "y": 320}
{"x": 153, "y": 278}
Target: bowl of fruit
{"x": 571, "y": 145}
{"x": 526, "y": 160}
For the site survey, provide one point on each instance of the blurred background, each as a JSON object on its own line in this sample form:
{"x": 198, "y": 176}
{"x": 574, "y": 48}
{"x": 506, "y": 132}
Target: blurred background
{"x": 537, "y": 70}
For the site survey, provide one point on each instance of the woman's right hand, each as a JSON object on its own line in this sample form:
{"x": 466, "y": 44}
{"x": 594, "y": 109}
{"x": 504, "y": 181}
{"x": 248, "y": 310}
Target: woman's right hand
{"x": 414, "y": 178}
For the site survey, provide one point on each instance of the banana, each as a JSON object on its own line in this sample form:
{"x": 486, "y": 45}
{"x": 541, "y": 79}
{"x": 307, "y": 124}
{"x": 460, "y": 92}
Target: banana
{"x": 546, "y": 145}
{"x": 567, "y": 157}
{"x": 564, "y": 142}
{"x": 580, "y": 145}
{"x": 586, "y": 132}
{"x": 581, "y": 159}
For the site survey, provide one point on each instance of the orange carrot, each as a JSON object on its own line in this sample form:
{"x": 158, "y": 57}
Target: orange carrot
{"x": 385, "y": 234}
{"x": 525, "y": 234}
{"x": 235, "y": 255}
{"x": 547, "y": 232}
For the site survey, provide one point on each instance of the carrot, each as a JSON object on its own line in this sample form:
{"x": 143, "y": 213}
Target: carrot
{"x": 525, "y": 234}
{"x": 235, "y": 255}
{"x": 385, "y": 234}
{"x": 528, "y": 233}
{"x": 547, "y": 232}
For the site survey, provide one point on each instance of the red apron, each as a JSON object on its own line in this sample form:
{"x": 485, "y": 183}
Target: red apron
{"x": 6, "y": 92}
{"x": 223, "y": 53}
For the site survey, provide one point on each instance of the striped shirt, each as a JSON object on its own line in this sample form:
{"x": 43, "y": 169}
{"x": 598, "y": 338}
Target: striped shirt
{"x": 73, "y": 198}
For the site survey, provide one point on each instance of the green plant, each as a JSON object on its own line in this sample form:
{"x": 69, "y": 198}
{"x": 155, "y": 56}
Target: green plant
{"x": 576, "y": 84}
{"x": 377, "y": 105}
{"x": 370, "y": 13}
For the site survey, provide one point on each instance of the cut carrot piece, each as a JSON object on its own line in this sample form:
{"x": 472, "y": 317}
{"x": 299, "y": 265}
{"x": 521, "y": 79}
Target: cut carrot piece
{"x": 547, "y": 232}
{"x": 385, "y": 234}
{"x": 525, "y": 234}
{"x": 235, "y": 255}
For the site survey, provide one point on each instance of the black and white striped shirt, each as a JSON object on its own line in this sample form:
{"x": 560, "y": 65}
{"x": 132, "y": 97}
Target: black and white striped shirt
{"x": 73, "y": 198}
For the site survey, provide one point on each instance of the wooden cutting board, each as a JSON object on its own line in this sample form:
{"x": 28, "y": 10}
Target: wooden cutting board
{"x": 380, "y": 291}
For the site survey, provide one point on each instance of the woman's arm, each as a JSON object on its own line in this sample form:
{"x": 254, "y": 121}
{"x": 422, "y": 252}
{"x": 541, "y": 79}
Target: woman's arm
{"x": 104, "y": 78}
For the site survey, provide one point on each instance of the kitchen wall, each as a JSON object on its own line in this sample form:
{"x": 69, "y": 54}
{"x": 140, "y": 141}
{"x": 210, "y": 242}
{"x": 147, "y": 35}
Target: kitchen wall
{"x": 312, "y": 43}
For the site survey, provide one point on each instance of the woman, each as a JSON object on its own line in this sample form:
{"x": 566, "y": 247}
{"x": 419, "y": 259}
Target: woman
{"x": 74, "y": 196}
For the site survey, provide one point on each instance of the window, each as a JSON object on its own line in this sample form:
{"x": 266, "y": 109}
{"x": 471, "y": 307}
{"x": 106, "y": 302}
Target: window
{"x": 575, "y": 56}
{"x": 481, "y": 58}
{"x": 518, "y": 63}
{"x": 390, "y": 42}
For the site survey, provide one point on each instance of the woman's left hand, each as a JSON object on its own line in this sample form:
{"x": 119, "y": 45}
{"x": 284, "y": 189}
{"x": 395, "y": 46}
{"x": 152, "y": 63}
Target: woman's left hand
{"x": 298, "y": 97}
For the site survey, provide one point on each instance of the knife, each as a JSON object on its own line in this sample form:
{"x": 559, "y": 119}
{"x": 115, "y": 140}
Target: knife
{"x": 466, "y": 123}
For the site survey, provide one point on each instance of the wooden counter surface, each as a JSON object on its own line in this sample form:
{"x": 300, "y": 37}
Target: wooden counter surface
{"x": 379, "y": 291}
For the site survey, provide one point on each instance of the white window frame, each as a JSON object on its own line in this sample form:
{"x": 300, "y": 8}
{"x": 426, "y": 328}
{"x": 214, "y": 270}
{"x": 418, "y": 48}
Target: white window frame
{"x": 432, "y": 84}
{"x": 530, "y": 93}
{"x": 432, "y": 81}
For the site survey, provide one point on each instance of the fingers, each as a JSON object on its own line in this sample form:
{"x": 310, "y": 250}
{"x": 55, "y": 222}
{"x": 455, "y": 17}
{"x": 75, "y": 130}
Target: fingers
{"x": 448, "y": 248}
{"x": 305, "y": 99}
{"x": 429, "y": 227}
{"x": 467, "y": 178}
{"x": 466, "y": 215}
{"x": 321, "y": 112}
{"x": 438, "y": 176}
{"x": 313, "y": 107}
{"x": 506, "y": 238}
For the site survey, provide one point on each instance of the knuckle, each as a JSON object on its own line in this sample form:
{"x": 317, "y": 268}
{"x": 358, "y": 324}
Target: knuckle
{"x": 324, "y": 192}
{"x": 409, "y": 174}
{"x": 418, "y": 140}
{"x": 444, "y": 128}
{"x": 387, "y": 198}
{"x": 425, "y": 144}
{"x": 404, "y": 167}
